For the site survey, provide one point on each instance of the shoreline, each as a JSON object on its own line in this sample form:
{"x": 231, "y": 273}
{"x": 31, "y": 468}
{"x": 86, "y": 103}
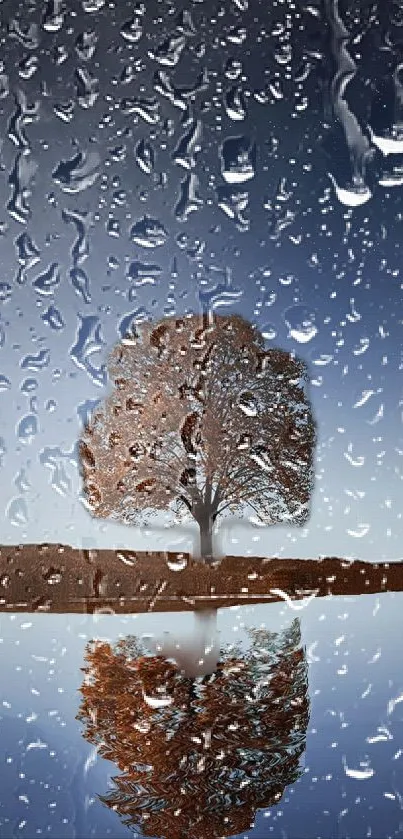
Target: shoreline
{"x": 62, "y": 579}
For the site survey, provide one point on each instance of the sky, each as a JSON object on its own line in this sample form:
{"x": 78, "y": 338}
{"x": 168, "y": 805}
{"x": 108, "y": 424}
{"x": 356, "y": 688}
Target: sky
{"x": 159, "y": 159}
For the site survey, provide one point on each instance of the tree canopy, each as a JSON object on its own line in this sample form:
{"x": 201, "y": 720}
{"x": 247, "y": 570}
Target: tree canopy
{"x": 203, "y": 421}
{"x": 198, "y": 756}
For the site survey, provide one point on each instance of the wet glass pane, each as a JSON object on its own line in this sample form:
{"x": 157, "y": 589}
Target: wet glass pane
{"x": 200, "y": 418}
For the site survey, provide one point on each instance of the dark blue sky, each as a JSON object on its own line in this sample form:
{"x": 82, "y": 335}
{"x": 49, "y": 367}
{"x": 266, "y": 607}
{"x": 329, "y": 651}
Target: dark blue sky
{"x": 221, "y": 124}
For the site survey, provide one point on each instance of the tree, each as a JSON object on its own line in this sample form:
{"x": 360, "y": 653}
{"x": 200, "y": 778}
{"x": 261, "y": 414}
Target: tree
{"x": 198, "y": 756}
{"x": 204, "y": 422}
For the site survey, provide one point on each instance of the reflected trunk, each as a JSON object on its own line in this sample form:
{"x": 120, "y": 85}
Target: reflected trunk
{"x": 203, "y": 651}
{"x": 198, "y": 653}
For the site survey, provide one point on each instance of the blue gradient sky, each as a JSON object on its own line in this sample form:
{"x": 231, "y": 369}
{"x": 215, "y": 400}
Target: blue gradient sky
{"x": 321, "y": 278}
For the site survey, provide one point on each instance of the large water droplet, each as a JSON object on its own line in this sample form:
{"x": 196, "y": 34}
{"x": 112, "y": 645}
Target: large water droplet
{"x": 238, "y": 158}
{"x": 78, "y": 173}
{"x": 301, "y": 323}
{"x": 27, "y": 428}
{"x": 148, "y": 233}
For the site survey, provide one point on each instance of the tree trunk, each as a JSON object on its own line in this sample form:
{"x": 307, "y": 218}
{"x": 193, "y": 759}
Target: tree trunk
{"x": 206, "y": 538}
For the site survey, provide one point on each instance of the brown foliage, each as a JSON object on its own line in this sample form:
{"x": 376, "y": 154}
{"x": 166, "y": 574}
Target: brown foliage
{"x": 215, "y": 750}
{"x": 203, "y": 421}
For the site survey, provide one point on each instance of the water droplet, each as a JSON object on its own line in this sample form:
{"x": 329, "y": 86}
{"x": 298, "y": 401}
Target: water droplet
{"x": 53, "y": 576}
{"x": 360, "y": 531}
{"x": 53, "y": 318}
{"x": 82, "y": 220}
{"x": 5, "y": 383}
{"x": 233, "y": 69}
{"x": 88, "y": 342}
{"x": 148, "y": 233}
{"x": 301, "y": 323}
{"x": 168, "y": 53}
{"x": 178, "y": 96}
{"x": 177, "y": 562}
{"x": 28, "y": 66}
{"x": 235, "y": 103}
{"x": 184, "y": 23}
{"x": 20, "y": 180}
{"x": 189, "y": 200}
{"x": 28, "y": 36}
{"x": 85, "y": 410}
{"x": 361, "y": 774}
{"x": 36, "y": 362}
{"x": 87, "y": 86}
{"x": 47, "y": 282}
{"x": 27, "y": 428}
{"x": 4, "y": 83}
{"x": 78, "y": 173}
{"x": 92, "y": 6}
{"x": 234, "y": 204}
{"x": 238, "y": 158}
{"x": 64, "y": 110}
{"x": 17, "y": 511}
{"x": 53, "y": 18}
{"x": 80, "y": 282}
{"x": 353, "y": 195}
{"x": 143, "y": 273}
{"x": 145, "y": 156}
{"x": 127, "y": 557}
{"x": 127, "y": 325}
{"x": 24, "y": 114}
{"x": 237, "y": 35}
{"x": 60, "y": 54}
{"x": 221, "y": 294}
{"x": 6, "y": 291}
{"x": 85, "y": 46}
{"x": 28, "y": 254}
{"x": 52, "y": 458}
{"x": 248, "y": 404}
{"x": 147, "y": 109}
{"x": 269, "y": 332}
{"x": 188, "y": 146}
{"x": 28, "y": 386}
{"x": 157, "y": 701}
{"x": 21, "y": 481}
{"x": 132, "y": 30}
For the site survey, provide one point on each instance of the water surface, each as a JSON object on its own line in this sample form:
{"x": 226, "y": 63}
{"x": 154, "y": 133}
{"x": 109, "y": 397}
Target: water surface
{"x": 351, "y": 779}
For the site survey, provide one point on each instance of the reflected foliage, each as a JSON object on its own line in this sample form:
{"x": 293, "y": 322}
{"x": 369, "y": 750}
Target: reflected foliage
{"x": 198, "y": 757}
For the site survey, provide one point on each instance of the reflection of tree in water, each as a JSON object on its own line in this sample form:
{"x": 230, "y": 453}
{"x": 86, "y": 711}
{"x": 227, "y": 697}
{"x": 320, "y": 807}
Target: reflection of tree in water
{"x": 198, "y": 756}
